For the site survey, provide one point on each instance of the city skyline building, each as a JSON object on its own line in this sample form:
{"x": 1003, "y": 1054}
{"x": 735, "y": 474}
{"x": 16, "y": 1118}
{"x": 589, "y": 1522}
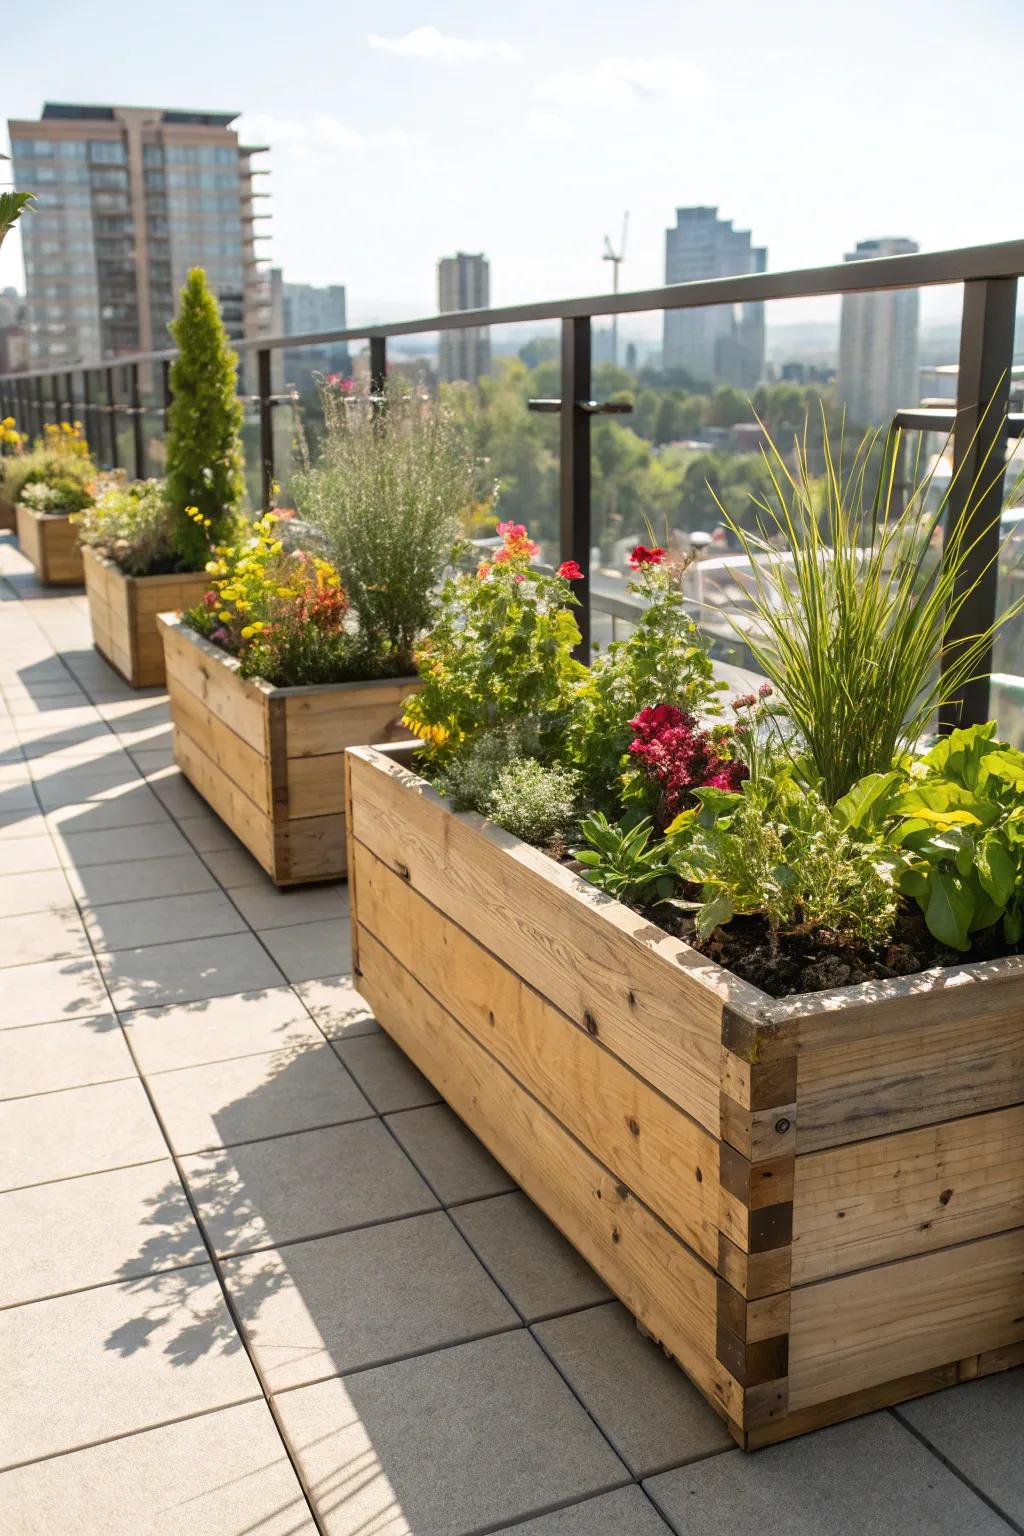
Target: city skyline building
{"x": 464, "y": 282}
{"x": 127, "y": 199}
{"x": 307, "y": 309}
{"x": 724, "y": 344}
{"x": 878, "y": 343}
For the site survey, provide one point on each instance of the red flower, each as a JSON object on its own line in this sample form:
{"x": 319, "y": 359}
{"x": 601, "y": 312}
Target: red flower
{"x": 641, "y": 556}
{"x": 676, "y": 757}
{"x": 511, "y": 530}
{"x": 570, "y": 571}
{"x": 211, "y": 600}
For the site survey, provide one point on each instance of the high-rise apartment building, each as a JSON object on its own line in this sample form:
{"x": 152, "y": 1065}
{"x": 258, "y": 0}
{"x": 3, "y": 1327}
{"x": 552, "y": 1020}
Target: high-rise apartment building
{"x": 464, "y": 282}
{"x": 306, "y": 310}
{"x": 878, "y": 337}
{"x": 127, "y": 200}
{"x": 725, "y": 344}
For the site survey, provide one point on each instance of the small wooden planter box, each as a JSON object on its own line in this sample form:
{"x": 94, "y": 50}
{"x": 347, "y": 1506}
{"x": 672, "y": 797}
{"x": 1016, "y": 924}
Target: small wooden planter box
{"x": 816, "y": 1205}
{"x": 50, "y": 541}
{"x": 270, "y": 761}
{"x": 123, "y": 612}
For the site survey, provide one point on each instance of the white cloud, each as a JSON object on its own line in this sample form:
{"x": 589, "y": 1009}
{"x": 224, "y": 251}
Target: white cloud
{"x": 625, "y": 81}
{"x": 548, "y": 125}
{"x": 429, "y": 43}
{"x": 317, "y": 140}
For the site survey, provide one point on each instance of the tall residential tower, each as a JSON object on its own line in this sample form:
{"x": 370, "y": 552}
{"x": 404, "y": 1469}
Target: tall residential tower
{"x": 724, "y": 344}
{"x": 464, "y": 282}
{"x": 127, "y": 200}
{"x": 878, "y": 334}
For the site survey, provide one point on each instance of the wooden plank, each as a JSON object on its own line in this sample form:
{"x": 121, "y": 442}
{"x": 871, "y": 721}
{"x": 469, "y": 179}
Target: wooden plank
{"x": 663, "y": 1156}
{"x": 651, "y": 1000}
{"x": 664, "y": 1285}
{"x": 331, "y": 718}
{"x": 311, "y": 848}
{"x": 212, "y": 676}
{"x": 873, "y": 1201}
{"x": 860, "y": 1330}
{"x": 168, "y": 594}
{"x": 240, "y": 764}
{"x": 250, "y": 825}
{"x": 774, "y": 1426}
{"x": 316, "y": 785}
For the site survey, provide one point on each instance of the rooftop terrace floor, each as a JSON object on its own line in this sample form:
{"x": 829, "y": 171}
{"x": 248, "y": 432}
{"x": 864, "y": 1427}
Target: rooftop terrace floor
{"x": 255, "y": 1279}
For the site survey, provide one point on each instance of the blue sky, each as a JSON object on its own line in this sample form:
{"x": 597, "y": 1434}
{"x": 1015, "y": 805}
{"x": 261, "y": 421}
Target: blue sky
{"x": 405, "y": 131}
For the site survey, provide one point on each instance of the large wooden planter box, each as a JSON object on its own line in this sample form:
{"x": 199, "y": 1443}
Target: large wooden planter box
{"x": 816, "y": 1205}
{"x": 50, "y": 541}
{"x": 270, "y": 761}
{"x": 123, "y": 612}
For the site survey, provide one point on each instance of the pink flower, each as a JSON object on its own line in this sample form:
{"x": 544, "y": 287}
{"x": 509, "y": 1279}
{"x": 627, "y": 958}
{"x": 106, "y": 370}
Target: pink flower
{"x": 765, "y": 691}
{"x": 210, "y": 599}
{"x": 569, "y": 570}
{"x": 511, "y": 531}
{"x": 641, "y": 556}
{"x": 677, "y": 757}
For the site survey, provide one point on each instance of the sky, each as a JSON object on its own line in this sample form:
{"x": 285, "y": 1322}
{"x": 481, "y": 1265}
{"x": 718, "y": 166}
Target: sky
{"x": 404, "y": 132}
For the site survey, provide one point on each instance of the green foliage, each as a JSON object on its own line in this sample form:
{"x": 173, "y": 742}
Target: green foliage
{"x": 56, "y": 493}
{"x": 204, "y": 447}
{"x": 500, "y": 653}
{"x": 955, "y": 820}
{"x": 389, "y": 494}
{"x": 498, "y": 776}
{"x": 59, "y": 460}
{"x": 622, "y": 861}
{"x": 12, "y": 206}
{"x": 131, "y": 525}
{"x": 662, "y": 662}
{"x": 856, "y": 607}
{"x": 776, "y": 850}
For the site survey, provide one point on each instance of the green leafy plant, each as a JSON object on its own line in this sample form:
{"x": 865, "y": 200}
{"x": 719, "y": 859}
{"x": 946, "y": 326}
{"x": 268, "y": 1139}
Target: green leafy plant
{"x": 857, "y": 606}
{"x": 204, "y": 448}
{"x": 388, "y": 495}
{"x": 12, "y": 206}
{"x": 501, "y": 652}
{"x": 624, "y": 862}
{"x": 955, "y": 819}
{"x": 60, "y": 494}
{"x": 60, "y": 468}
{"x": 131, "y": 525}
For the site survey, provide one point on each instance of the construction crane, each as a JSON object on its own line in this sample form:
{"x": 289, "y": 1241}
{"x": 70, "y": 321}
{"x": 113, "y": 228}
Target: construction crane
{"x": 616, "y": 258}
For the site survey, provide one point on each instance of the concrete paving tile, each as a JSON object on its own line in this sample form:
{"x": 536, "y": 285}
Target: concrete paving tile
{"x": 76, "y": 784}
{"x": 252, "y": 1097}
{"x": 386, "y": 1076}
{"x": 17, "y": 797}
{"x": 42, "y": 890}
{"x": 311, "y": 950}
{"x": 186, "y": 971}
{"x": 207, "y": 833}
{"x": 100, "y": 884}
{"x": 21, "y": 823}
{"x": 83, "y": 1130}
{"x": 153, "y": 761}
{"x": 342, "y": 1303}
{"x": 49, "y": 990}
{"x": 89, "y": 1231}
{"x": 219, "y": 1028}
{"x": 25, "y": 855}
{"x": 305, "y": 1185}
{"x": 448, "y": 1155}
{"x": 865, "y": 1476}
{"x": 626, "y": 1512}
{"x": 162, "y": 920}
{"x": 456, "y": 1441}
{"x": 176, "y": 794}
{"x": 126, "y": 1357}
{"x": 71, "y": 1053}
{"x": 34, "y": 936}
{"x": 224, "y": 1474}
{"x": 151, "y": 840}
{"x": 530, "y": 1259}
{"x": 652, "y": 1415}
{"x": 265, "y": 906}
{"x": 978, "y": 1427}
{"x": 130, "y": 805}
{"x": 234, "y": 866}
{"x": 337, "y": 1007}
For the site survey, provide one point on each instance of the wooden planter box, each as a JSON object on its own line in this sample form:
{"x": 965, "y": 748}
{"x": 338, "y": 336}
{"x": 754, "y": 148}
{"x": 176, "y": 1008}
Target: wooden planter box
{"x": 270, "y": 761}
{"x": 123, "y": 612}
{"x": 8, "y": 516}
{"x": 816, "y": 1205}
{"x": 50, "y": 541}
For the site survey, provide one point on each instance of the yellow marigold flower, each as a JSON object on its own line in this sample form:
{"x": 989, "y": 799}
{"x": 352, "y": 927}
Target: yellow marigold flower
{"x": 224, "y": 616}
{"x": 247, "y": 632}
{"x": 285, "y": 592}
{"x": 212, "y": 567}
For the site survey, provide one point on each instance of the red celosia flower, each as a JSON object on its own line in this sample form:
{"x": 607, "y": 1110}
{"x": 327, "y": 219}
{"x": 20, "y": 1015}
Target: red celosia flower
{"x": 569, "y": 569}
{"x": 677, "y": 757}
{"x": 641, "y": 556}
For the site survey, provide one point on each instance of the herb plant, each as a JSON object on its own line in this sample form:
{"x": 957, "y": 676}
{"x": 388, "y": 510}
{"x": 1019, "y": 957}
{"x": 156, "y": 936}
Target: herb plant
{"x": 131, "y": 525}
{"x": 624, "y": 862}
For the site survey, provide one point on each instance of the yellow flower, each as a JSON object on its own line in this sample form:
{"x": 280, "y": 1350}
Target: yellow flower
{"x": 212, "y": 567}
{"x": 248, "y": 632}
{"x": 224, "y": 616}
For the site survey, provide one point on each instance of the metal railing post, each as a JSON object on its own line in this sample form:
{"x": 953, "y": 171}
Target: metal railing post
{"x": 112, "y": 409}
{"x": 266, "y": 426}
{"x": 165, "y": 380}
{"x": 138, "y": 434}
{"x": 378, "y": 371}
{"x": 40, "y": 406}
{"x": 979, "y": 454}
{"x": 88, "y": 414}
{"x": 574, "y": 476}
{"x": 69, "y": 396}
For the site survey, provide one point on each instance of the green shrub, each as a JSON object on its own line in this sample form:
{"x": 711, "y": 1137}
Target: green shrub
{"x": 389, "y": 495}
{"x": 59, "y": 459}
{"x": 204, "y": 447}
{"x": 56, "y": 493}
{"x": 498, "y": 778}
{"x": 131, "y": 524}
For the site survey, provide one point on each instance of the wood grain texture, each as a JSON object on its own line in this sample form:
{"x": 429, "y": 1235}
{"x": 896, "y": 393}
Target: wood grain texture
{"x": 50, "y": 542}
{"x": 123, "y": 610}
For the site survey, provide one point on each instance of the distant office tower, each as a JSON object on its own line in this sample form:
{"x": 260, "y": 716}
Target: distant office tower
{"x": 725, "y": 344}
{"x": 127, "y": 200}
{"x": 308, "y": 309}
{"x": 878, "y": 344}
{"x": 464, "y": 282}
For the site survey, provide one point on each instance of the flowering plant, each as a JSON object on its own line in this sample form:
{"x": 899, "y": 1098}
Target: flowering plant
{"x": 59, "y": 461}
{"x": 10, "y": 437}
{"x": 674, "y": 757}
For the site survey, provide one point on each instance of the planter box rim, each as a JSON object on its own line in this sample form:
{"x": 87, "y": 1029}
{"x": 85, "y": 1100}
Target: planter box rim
{"x": 43, "y": 511}
{"x": 272, "y": 690}
{"x": 752, "y": 1007}
{"x": 90, "y": 552}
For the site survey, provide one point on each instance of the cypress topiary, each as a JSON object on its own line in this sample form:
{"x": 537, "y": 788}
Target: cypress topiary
{"x": 205, "y": 467}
